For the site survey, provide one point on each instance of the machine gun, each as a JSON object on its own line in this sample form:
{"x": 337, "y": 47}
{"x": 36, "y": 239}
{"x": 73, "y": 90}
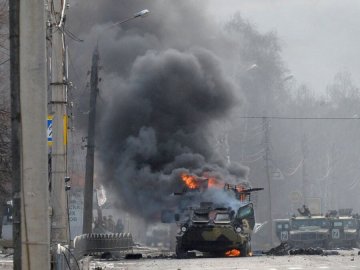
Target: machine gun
{"x": 242, "y": 193}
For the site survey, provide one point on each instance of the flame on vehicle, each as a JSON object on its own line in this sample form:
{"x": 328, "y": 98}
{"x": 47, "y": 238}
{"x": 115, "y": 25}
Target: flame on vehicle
{"x": 213, "y": 182}
{"x": 196, "y": 182}
{"x": 190, "y": 181}
{"x": 232, "y": 253}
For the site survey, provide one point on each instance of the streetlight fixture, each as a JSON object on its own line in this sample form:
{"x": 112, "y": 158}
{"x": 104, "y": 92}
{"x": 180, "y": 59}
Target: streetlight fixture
{"x": 252, "y": 67}
{"x": 141, "y": 14}
{"x": 89, "y": 170}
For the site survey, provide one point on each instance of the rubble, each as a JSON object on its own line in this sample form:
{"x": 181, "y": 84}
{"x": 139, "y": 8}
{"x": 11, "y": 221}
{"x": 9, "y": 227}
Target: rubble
{"x": 133, "y": 256}
{"x": 330, "y": 252}
{"x": 281, "y": 250}
{"x": 285, "y": 249}
{"x": 306, "y": 251}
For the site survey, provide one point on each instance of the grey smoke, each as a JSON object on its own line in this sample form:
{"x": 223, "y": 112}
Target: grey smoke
{"x": 128, "y": 123}
{"x": 161, "y": 123}
{"x": 168, "y": 95}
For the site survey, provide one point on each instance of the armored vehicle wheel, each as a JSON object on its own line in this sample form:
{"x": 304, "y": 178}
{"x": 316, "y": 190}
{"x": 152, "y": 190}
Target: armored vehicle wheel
{"x": 180, "y": 252}
{"x": 245, "y": 250}
{"x": 326, "y": 244}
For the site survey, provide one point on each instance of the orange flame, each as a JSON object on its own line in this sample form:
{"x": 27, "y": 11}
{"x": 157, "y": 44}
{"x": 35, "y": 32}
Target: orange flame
{"x": 233, "y": 253}
{"x": 190, "y": 181}
{"x": 213, "y": 182}
{"x": 195, "y": 182}
{"x": 240, "y": 188}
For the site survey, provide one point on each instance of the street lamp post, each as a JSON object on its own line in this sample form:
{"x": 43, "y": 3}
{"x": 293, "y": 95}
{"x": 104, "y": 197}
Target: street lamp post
{"x": 89, "y": 170}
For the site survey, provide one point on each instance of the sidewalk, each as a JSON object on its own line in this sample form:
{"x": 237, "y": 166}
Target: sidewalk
{"x": 6, "y": 261}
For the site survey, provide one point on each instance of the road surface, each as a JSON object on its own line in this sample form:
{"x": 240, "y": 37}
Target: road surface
{"x": 346, "y": 260}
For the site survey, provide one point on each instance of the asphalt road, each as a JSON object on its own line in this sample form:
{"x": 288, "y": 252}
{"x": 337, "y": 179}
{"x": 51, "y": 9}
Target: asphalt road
{"x": 346, "y": 260}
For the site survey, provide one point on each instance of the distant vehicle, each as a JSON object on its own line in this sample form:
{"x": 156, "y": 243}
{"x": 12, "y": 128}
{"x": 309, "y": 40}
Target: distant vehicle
{"x": 344, "y": 232}
{"x": 309, "y": 231}
{"x": 282, "y": 228}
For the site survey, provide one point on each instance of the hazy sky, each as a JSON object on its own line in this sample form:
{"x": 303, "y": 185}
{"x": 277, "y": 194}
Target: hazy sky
{"x": 319, "y": 37}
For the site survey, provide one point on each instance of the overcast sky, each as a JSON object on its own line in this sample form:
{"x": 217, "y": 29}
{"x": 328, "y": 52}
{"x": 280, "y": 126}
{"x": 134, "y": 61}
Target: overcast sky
{"x": 319, "y": 37}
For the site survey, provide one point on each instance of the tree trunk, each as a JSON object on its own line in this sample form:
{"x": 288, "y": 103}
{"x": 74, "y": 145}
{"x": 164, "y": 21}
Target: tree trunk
{"x": 2, "y": 208}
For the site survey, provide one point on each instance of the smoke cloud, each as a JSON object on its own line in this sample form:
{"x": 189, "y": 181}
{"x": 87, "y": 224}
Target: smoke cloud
{"x": 167, "y": 103}
{"x": 172, "y": 85}
{"x": 162, "y": 122}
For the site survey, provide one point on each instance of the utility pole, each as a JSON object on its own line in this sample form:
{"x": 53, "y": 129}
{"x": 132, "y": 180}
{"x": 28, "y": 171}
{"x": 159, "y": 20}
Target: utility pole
{"x": 267, "y": 157}
{"x": 332, "y": 188}
{"x": 305, "y": 179}
{"x": 89, "y": 171}
{"x": 14, "y": 31}
{"x": 58, "y": 103}
{"x": 31, "y": 233}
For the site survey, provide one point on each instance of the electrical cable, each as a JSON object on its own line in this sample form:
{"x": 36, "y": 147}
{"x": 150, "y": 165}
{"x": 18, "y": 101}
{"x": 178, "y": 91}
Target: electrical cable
{"x": 299, "y": 118}
{"x": 3, "y": 47}
{"x": 354, "y": 184}
{"x": 77, "y": 263}
{"x": 68, "y": 214}
{"x": 62, "y": 14}
{"x": 7, "y": 60}
{"x": 257, "y": 153}
{"x": 4, "y": 52}
{"x": 72, "y": 35}
{"x": 25, "y": 216}
{"x": 296, "y": 169}
{"x": 67, "y": 262}
{"x": 4, "y": 112}
{"x": 329, "y": 169}
{"x": 252, "y": 161}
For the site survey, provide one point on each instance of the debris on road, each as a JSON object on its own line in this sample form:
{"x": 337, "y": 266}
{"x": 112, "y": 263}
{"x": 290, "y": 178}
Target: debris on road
{"x": 285, "y": 249}
{"x": 281, "y": 250}
{"x": 306, "y": 251}
{"x": 133, "y": 256}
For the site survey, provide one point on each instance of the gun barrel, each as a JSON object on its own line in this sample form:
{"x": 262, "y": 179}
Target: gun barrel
{"x": 251, "y": 190}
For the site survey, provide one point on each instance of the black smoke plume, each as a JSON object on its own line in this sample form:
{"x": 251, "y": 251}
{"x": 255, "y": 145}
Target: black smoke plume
{"x": 167, "y": 95}
{"x": 163, "y": 121}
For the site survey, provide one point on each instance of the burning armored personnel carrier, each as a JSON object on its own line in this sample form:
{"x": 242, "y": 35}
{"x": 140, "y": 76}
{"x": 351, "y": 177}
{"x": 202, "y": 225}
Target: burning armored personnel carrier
{"x": 216, "y": 228}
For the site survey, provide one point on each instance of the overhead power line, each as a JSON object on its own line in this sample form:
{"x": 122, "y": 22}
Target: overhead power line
{"x": 299, "y": 118}
{"x": 3, "y": 62}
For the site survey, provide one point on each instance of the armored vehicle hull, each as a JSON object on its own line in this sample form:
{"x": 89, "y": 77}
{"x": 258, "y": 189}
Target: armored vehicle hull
{"x": 344, "y": 232}
{"x": 213, "y": 240}
{"x": 218, "y": 232}
{"x": 307, "y": 239}
{"x": 309, "y": 231}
